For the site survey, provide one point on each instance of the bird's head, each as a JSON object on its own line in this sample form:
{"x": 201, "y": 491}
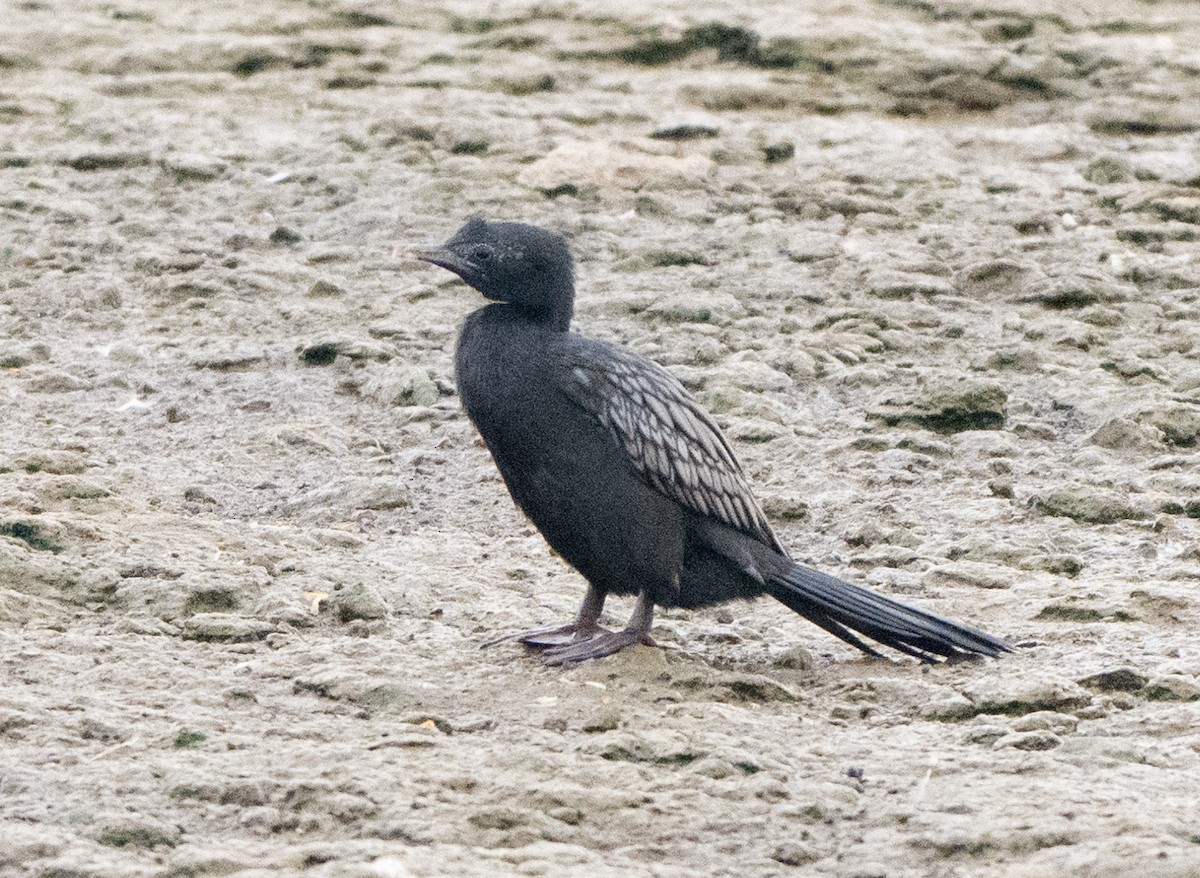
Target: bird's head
{"x": 510, "y": 262}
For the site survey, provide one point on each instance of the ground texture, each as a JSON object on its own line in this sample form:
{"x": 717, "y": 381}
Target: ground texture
{"x": 931, "y": 264}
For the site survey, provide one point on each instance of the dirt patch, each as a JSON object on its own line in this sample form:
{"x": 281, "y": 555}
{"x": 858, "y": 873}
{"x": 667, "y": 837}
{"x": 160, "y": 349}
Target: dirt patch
{"x": 932, "y": 265}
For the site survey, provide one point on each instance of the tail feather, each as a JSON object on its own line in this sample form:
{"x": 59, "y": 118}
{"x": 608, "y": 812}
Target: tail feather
{"x": 840, "y": 608}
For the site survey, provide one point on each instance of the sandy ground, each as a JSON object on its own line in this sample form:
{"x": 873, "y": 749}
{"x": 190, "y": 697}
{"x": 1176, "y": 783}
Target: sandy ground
{"x": 932, "y": 265}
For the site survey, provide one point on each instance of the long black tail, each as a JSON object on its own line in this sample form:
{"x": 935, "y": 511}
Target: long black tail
{"x": 839, "y": 607}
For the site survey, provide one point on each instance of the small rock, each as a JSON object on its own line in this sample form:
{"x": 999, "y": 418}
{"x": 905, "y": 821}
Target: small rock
{"x": 1070, "y": 293}
{"x": 686, "y": 131}
{"x": 1018, "y": 698}
{"x": 975, "y": 573}
{"x": 499, "y": 818}
{"x": 697, "y": 307}
{"x": 324, "y": 288}
{"x": 1037, "y": 740}
{"x": 323, "y": 353}
{"x": 797, "y": 659}
{"x": 1002, "y": 487}
{"x": 284, "y": 236}
{"x": 1178, "y": 423}
{"x": 774, "y": 153}
{"x": 986, "y": 735}
{"x": 371, "y": 692}
{"x": 136, "y": 832}
{"x": 947, "y": 405}
{"x": 225, "y": 628}
{"x": 95, "y": 730}
{"x": 214, "y": 597}
{"x": 1173, "y": 687}
{"x": 1181, "y": 208}
{"x": 812, "y": 246}
{"x": 357, "y": 602}
{"x": 715, "y": 767}
{"x": 1087, "y": 505}
{"x": 52, "y": 381}
{"x": 1126, "y": 434}
{"x": 604, "y": 720}
{"x": 657, "y": 746}
{"x": 1106, "y": 170}
{"x": 1116, "y": 680}
{"x": 870, "y": 870}
{"x": 1122, "y": 116}
{"x": 1046, "y": 720}
{"x": 383, "y": 493}
{"x": 107, "y": 161}
{"x": 754, "y": 687}
{"x": 894, "y": 285}
{"x": 399, "y": 384}
{"x": 193, "y": 166}
{"x": 792, "y": 853}
{"x": 60, "y": 463}
{"x": 230, "y": 361}
{"x": 951, "y": 708}
{"x": 788, "y": 507}
{"x": 756, "y": 430}
{"x": 996, "y": 277}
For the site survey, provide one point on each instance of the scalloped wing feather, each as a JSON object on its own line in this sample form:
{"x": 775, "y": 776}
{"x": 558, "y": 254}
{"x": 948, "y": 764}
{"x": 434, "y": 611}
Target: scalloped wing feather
{"x": 671, "y": 441}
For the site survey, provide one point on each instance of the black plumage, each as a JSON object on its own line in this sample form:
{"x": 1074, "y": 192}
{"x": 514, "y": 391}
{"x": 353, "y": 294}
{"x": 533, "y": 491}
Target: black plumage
{"x": 623, "y": 472}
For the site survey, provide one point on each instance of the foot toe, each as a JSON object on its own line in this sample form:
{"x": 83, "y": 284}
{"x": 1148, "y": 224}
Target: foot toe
{"x": 598, "y": 647}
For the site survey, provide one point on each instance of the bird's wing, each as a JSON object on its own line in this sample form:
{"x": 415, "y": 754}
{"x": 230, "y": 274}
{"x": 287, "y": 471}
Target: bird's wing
{"x": 671, "y": 441}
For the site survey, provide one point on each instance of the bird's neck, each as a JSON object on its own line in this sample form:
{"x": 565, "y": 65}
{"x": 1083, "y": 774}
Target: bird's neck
{"x": 558, "y": 310}
{"x": 559, "y": 318}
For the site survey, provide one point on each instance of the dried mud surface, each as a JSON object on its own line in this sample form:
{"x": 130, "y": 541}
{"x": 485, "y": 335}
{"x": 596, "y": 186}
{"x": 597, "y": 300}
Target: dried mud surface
{"x": 932, "y": 265}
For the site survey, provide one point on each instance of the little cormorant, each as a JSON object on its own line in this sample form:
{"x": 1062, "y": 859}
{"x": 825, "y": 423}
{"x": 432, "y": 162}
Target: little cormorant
{"x": 623, "y": 472}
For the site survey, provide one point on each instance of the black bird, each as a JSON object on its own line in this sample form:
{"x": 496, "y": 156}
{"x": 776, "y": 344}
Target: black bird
{"x": 624, "y": 473}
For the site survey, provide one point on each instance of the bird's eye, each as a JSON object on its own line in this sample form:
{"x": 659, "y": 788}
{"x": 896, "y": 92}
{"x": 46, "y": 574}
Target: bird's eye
{"x": 482, "y": 253}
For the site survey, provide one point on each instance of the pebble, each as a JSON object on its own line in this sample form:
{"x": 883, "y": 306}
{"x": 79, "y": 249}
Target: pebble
{"x": 898, "y": 285}
{"x": 135, "y": 832}
{"x": 194, "y": 166}
{"x": 1127, "y": 434}
{"x": 1046, "y": 720}
{"x": 946, "y": 404}
{"x": 1087, "y": 505}
{"x": 603, "y": 720}
{"x": 798, "y": 658}
{"x": 697, "y": 307}
{"x": 987, "y": 735}
{"x": 357, "y": 602}
{"x": 225, "y": 628}
{"x": 794, "y": 854}
{"x": 1003, "y": 277}
{"x": 1116, "y": 680}
{"x": 55, "y": 381}
{"x": 1173, "y": 687}
{"x": 974, "y": 573}
{"x": 1036, "y": 740}
{"x": 107, "y": 161}
{"x": 1014, "y": 697}
{"x": 400, "y": 384}
{"x": 1178, "y": 423}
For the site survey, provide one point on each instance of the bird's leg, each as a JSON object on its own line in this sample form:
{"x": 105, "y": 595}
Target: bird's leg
{"x": 607, "y": 643}
{"x": 585, "y": 626}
